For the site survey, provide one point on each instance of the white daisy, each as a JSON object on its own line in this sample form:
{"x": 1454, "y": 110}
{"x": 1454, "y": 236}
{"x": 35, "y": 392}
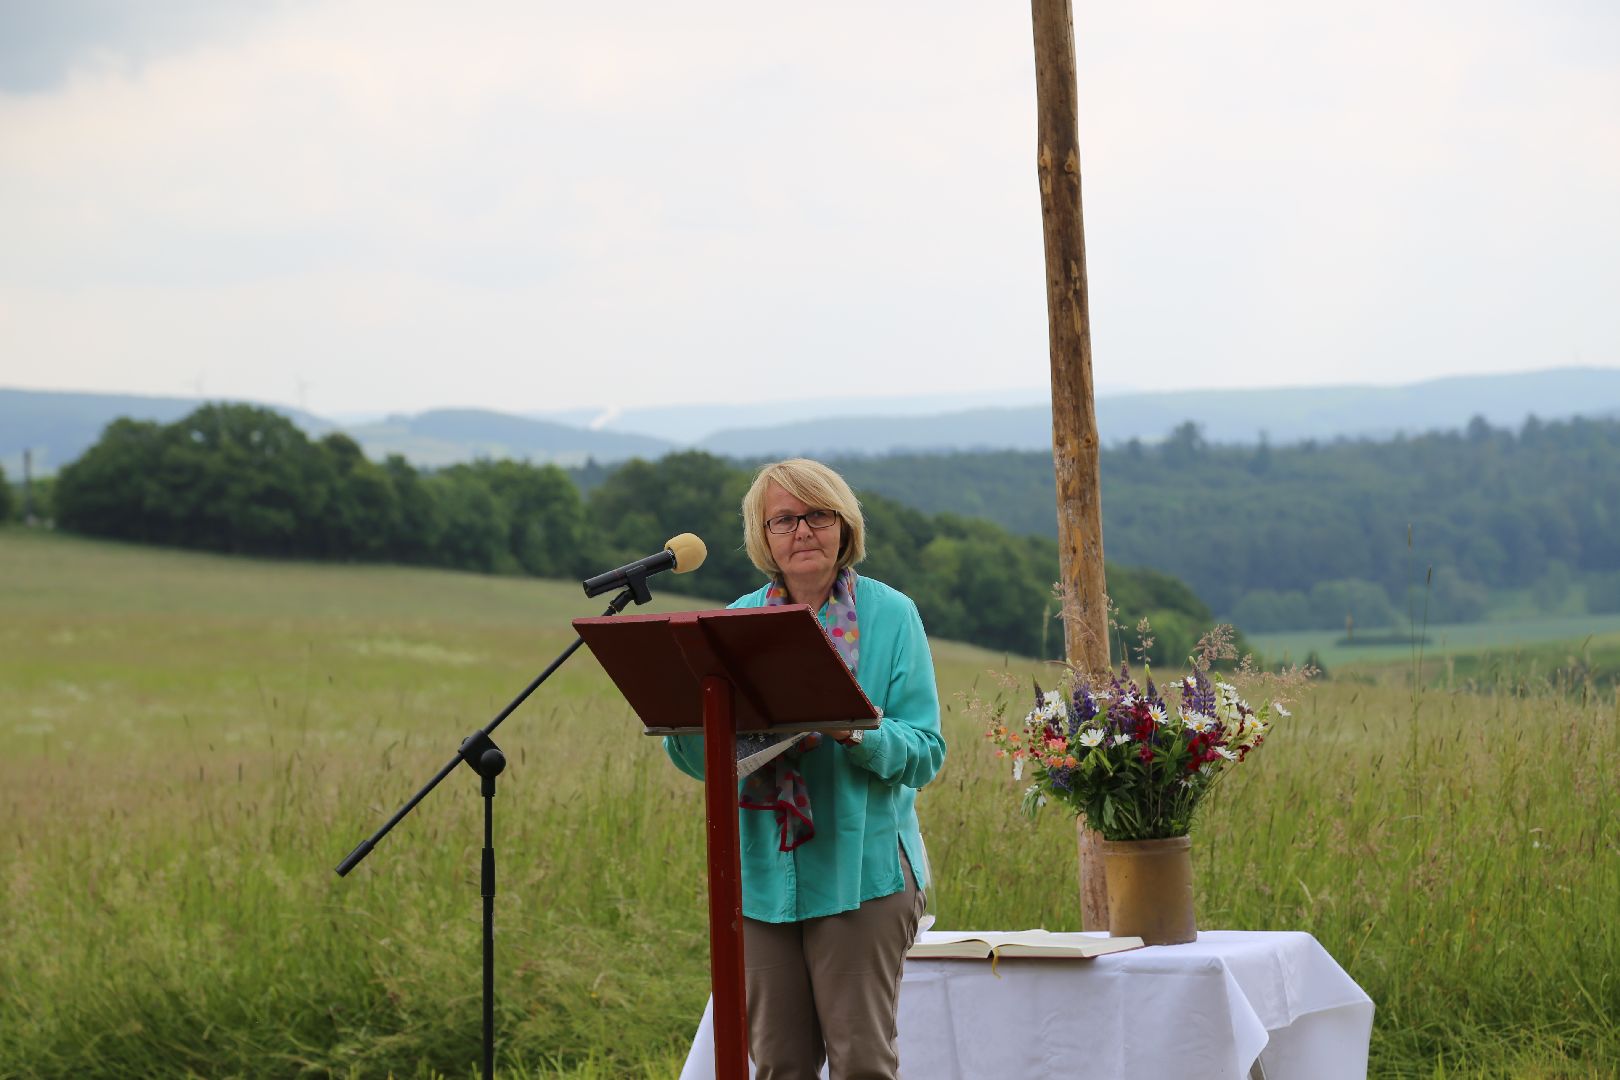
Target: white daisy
{"x": 1091, "y": 737}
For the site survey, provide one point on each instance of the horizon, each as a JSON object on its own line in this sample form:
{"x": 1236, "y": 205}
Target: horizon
{"x": 58, "y": 428}
{"x": 1038, "y": 395}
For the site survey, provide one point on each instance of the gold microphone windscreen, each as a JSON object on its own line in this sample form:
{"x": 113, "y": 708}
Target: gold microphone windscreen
{"x": 689, "y": 552}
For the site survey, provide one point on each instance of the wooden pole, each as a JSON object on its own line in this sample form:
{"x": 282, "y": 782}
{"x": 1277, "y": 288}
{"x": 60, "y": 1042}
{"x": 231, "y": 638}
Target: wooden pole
{"x": 1074, "y": 418}
{"x": 28, "y": 486}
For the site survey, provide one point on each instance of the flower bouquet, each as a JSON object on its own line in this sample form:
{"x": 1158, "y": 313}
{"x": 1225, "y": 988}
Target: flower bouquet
{"x": 1136, "y": 765}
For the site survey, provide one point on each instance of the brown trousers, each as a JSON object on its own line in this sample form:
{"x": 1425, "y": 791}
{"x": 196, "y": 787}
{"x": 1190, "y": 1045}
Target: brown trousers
{"x": 828, "y": 989}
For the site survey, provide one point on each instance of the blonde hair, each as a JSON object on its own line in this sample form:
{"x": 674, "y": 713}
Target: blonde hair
{"x": 815, "y": 485}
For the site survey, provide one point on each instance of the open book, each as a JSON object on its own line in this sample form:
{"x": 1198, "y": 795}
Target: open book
{"x": 977, "y": 944}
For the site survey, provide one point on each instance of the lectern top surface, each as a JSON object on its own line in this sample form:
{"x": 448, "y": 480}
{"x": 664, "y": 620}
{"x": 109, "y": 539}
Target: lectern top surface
{"x": 785, "y": 672}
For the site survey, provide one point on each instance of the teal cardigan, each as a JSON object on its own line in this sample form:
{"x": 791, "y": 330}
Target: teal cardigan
{"x": 862, "y": 798}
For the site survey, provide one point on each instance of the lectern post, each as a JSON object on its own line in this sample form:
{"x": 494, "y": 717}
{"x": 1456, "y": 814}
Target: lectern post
{"x": 725, "y": 882}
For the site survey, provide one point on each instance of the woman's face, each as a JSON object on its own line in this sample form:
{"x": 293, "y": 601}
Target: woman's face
{"x": 804, "y": 552}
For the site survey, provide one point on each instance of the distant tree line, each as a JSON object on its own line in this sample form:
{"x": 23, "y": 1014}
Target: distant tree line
{"x": 1274, "y": 537}
{"x": 1302, "y": 536}
{"x": 245, "y": 480}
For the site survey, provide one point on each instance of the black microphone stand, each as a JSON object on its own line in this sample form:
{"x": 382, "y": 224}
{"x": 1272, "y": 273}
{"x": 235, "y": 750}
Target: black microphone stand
{"x": 481, "y": 754}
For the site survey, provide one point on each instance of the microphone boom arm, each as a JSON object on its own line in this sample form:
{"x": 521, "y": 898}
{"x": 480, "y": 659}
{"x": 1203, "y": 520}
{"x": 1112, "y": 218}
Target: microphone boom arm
{"x": 481, "y": 736}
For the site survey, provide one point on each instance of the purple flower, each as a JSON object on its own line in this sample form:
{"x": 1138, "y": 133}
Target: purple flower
{"x": 1082, "y": 708}
{"x": 1200, "y": 697}
{"x": 1152, "y": 696}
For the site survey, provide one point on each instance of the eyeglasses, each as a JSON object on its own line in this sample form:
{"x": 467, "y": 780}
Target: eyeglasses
{"x": 782, "y": 524}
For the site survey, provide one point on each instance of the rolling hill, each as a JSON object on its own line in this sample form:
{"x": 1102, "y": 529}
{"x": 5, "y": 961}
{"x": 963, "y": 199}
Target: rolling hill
{"x": 1281, "y": 416}
{"x": 58, "y": 426}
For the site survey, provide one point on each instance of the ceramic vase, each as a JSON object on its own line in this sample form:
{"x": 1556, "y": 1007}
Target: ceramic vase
{"x": 1150, "y": 893}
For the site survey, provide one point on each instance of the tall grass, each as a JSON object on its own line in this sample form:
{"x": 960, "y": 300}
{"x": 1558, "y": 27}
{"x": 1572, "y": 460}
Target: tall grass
{"x": 191, "y": 743}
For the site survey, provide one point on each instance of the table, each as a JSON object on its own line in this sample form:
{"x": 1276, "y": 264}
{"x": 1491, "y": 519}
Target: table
{"x": 1232, "y": 1005}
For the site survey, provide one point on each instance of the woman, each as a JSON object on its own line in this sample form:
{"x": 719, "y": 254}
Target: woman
{"x": 832, "y": 895}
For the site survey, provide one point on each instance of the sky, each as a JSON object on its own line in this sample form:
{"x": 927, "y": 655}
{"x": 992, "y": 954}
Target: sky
{"x": 364, "y": 207}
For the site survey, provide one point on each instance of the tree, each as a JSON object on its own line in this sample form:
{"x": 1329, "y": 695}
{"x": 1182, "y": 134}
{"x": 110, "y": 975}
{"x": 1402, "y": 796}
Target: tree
{"x": 475, "y": 526}
{"x": 1260, "y": 463}
{"x": 363, "y": 516}
{"x": 975, "y": 587}
{"x": 635, "y": 510}
{"x": 1553, "y": 587}
{"x": 942, "y": 563}
{"x": 1184, "y": 445}
{"x": 1451, "y": 598}
{"x": 246, "y": 480}
{"x": 114, "y": 488}
{"x": 1334, "y": 602}
{"x": 1603, "y": 593}
{"x": 1265, "y": 610}
{"x": 5, "y": 498}
{"x": 545, "y": 516}
{"x": 421, "y": 522}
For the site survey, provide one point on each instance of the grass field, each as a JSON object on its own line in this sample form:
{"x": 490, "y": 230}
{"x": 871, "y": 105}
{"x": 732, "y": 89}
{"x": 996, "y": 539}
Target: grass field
{"x": 192, "y": 742}
{"x": 1557, "y": 636}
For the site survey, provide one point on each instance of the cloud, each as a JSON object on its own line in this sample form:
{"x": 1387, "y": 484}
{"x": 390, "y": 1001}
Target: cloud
{"x": 42, "y": 44}
{"x": 547, "y": 205}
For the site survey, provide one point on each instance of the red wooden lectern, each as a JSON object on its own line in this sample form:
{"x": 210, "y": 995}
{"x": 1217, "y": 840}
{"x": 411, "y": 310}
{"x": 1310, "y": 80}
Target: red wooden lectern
{"x": 718, "y": 673}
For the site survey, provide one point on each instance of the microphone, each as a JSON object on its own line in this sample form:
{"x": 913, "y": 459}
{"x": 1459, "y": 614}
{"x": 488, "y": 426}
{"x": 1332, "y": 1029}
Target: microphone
{"x": 683, "y": 554}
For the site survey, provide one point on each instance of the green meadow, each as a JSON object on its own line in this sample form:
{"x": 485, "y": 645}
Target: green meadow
{"x": 1511, "y": 645}
{"x": 189, "y": 744}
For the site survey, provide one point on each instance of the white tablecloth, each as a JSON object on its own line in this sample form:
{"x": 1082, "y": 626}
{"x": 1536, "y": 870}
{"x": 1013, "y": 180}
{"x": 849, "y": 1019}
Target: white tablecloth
{"x": 1208, "y": 1009}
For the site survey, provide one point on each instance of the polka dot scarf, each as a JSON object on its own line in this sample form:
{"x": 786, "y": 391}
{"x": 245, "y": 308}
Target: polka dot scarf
{"x": 780, "y": 788}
